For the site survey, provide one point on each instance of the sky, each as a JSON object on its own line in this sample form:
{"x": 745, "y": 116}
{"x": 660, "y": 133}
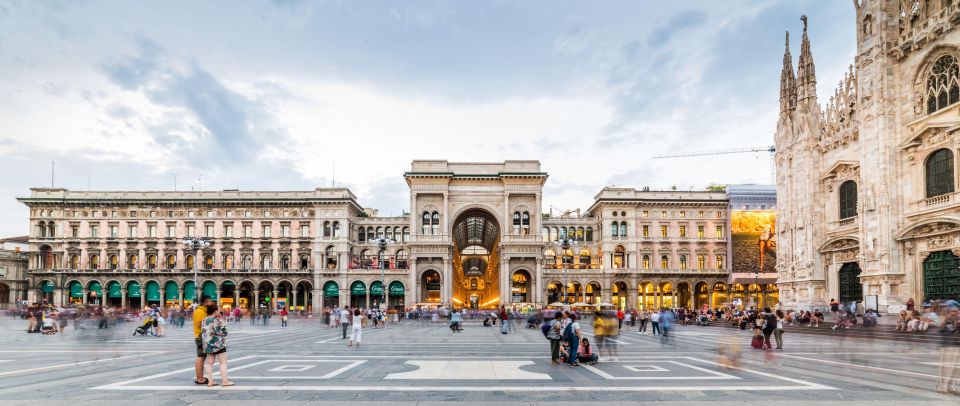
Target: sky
{"x": 292, "y": 95}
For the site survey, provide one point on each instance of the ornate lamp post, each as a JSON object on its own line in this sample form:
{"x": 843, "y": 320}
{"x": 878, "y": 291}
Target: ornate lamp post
{"x": 197, "y": 244}
{"x": 382, "y": 242}
{"x": 565, "y": 244}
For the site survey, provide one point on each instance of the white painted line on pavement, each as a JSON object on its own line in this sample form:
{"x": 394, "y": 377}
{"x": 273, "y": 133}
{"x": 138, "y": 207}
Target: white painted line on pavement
{"x": 714, "y": 374}
{"x": 169, "y": 373}
{"x": 73, "y": 364}
{"x": 410, "y": 388}
{"x": 895, "y": 371}
{"x": 605, "y": 339}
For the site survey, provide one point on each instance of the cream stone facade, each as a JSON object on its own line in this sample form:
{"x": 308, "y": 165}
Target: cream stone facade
{"x": 866, "y": 184}
{"x": 476, "y": 237}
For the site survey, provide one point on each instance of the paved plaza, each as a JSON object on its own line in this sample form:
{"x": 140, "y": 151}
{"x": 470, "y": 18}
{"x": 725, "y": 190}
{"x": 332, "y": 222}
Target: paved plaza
{"x": 419, "y": 361}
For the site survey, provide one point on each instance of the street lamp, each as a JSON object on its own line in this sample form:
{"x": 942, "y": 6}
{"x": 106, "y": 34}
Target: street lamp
{"x": 565, "y": 244}
{"x": 382, "y": 242}
{"x": 197, "y": 244}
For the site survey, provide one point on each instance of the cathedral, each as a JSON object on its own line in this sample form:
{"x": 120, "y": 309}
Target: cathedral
{"x": 866, "y": 183}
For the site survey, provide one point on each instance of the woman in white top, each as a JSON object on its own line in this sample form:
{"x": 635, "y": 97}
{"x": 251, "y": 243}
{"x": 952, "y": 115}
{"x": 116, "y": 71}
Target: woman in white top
{"x": 357, "y": 328}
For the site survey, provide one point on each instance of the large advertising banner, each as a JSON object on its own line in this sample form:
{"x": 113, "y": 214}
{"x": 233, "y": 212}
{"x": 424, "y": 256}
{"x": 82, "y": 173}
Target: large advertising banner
{"x": 754, "y": 234}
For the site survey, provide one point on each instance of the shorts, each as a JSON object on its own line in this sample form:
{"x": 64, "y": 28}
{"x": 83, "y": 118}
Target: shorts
{"x": 200, "y": 353}
{"x": 154, "y": 322}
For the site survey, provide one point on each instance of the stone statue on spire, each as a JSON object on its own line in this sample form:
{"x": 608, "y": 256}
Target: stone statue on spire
{"x": 804, "y": 19}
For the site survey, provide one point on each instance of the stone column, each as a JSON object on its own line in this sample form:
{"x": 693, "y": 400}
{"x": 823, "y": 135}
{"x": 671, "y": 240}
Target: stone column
{"x": 315, "y": 302}
{"x": 631, "y": 298}
{"x": 447, "y": 292}
{"x": 123, "y": 297}
{"x": 85, "y": 296}
{"x": 273, "y": 302}
{"x": 256, "y": 300}
{"x": 541, "y": 287}
{"x": 710, "y": 298}
{"x": 506, "y": 293}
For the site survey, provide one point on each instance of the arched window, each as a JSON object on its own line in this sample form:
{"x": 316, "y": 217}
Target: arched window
{"x": 208, "y": 262}
{"x": 370, "y": 233}
{"x": 284, "y": 262}
{"x": 228, "y": 262}
{"x": 554, "y": 234}
{"x": 74, "y": 262}
{"x": 336, "y": 229}
{"x": 190, "y": 262}
{"x": 304, "y": 262}
{"x": 265, "y": 262}
{"x": 939, "y": 173}
{"x": 683, "y": 262}
{"x": 549, "y": 259}
{"x": 579, "y": 234}
{"x": 246, "y": 263}
{"x": 151, "y": 262}
{"x": 545, "y": 234}
{"x": 132, "y": 262}
{"x": 406, "y": 234}
{"x": 379, "y": 232}
{"x": 848, "y": 199}
{"x": 589, "y": 234}
{"x": 426, "y": 223}
{"x": 525, "y": 223}
{"x": 943, "y": 84}
{"x": 389, "y": 233}
{"x": 584, "y": 258}
{"x": 664, "y": 262}
{"x": 42, "y": 229}
{"x": 401, "y": 259}
{"x": 51, "y": 229}
{"x": 171, "y": 261}
{"x": 361, "y": 234}
{"x": 114, "y": 262}
{"x": 383, "y": 261}
{"x": 701, "y": 262}
{"x": 623, "y": 228}
{"x": 646, "y": 262}
{"x": 516, "y": 222}
{"x": 94, "y": 261}
{"x": 326, "y": 229}
{"x": 619, "y": 257}
{"x": 614, "y": 229}
{"x": 435, "y": 224}
{"x": 331, "y": 256}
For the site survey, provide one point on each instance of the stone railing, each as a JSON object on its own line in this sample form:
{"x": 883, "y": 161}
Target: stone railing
{"x": 935, "y": 202}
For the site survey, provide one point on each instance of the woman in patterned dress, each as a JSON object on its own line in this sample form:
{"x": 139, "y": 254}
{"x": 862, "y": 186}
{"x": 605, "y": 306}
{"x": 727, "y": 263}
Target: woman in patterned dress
{"x": 214, "y": 333}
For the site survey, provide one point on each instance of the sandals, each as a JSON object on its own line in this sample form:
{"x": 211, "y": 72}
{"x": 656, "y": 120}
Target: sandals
{"x": 205, "y": 381}
{"x": 228, "y": 383}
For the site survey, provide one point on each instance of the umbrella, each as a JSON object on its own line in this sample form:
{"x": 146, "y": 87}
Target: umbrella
{"x": 605, "y": 304}
{"x": 555, "y": 304}
{"x": 579, "y": 304}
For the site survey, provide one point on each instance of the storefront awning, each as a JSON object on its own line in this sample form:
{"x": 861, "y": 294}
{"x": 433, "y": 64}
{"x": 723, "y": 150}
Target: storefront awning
{"x": 189, "y": 291}
{"x": 396, "y": 289}
{"x": 153, "y": 291}
{"x": 358, "y": 289}
{"x": 210, "y": 289}
{"x": 173, "y": 292}
{"x": 47, "y": 287}
{"x": 113, "y": 290}
{"x": 133, "y": 290}
{"x": 331, "y": 289}
{"x": 76, "y": 290}
{"x": 376, "y": 288}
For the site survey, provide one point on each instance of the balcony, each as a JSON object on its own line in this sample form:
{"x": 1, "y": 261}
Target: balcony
{"x": 932, "y": 204}
{"x": 430, "y": 238}
{"x": 522, "y": 239}
{"x": 846, "y": 224}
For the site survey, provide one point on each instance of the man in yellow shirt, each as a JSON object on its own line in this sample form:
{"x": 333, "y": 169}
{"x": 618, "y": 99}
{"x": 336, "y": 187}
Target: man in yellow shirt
{"x": 199, "y": 314}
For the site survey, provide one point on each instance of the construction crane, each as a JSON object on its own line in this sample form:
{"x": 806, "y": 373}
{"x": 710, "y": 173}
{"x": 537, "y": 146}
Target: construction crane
{"x": 771, "y": 149}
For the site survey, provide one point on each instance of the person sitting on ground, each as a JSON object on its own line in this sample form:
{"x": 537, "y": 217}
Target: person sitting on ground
{"x": 870, "y": 317}
{"x": 903, "y": 321}
{"x": 929, "y": 318}
{"x": 816, "y": 319}
{"x": 914, "y": 324}
{"x": 585, "y": 353}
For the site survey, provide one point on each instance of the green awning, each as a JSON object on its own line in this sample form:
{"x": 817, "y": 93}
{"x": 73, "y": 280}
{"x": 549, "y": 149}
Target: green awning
{"x": 113, "y": 289}
{"x": 95, "y": 287}
{"x": 358, "y": 289}
{"x": 133, "y": 290}
{"x": 210, "y": 289}
{"x": 376, "y": 288}
{"x": 173, "y": 292}
{"x": 46, "y": 287}
{"x": 189, "y": 291}
{"x": 331, "y": 289}
{"x": 396, "y": 288}
{"x": 153, "y": 291}
{"x": 76, "y": 290}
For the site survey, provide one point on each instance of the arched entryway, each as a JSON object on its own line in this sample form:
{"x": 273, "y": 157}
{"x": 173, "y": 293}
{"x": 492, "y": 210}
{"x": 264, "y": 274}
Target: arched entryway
{"x": 554, "y": 292}
{"x": 684, "y": 295}
{"x": 189, "y": 293}
{"x": 667, "y": 295}
{"x": 133, "y": 294}
{"x": 358, "y": 294}
{"x": 701, "y": 295}
{"x": 114, "y": 294}
{"x": 153, "y": 293}
{"x": 228, "y": 291}
{"x": 520, "y": 288}
{"x": 95, "y": 293}
{"x": 303, "y": 297}
{"x": 720, "y": 296}
{"x": 74, "y": 292}
{"x": 646, "y": 292}
{"x": 46, "y": 292}
{"x": 430, "y": 285}
{"x": 941, "y": 276}
{"x": 574, "y": 292}
{"x": 5, "y": 298}
{"x": 396, "y": 292}
{"x": 619, "y": 295}
{"x": 284, "y": 295}
{"x": 171, "y": 294}
{"x": 476, "y": 273}
{"x": 331, "y": 294}
{"x": 593, "y": 294}
{"x": 246, "y": 295}
{"x": 264, "y": 296}
{"x": 848, "y": 279}
{"x": 738, "y": 297}
{"x": 377, "y": 294}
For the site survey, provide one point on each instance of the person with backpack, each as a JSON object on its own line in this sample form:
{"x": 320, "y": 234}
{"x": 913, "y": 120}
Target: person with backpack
{"x": 551, "y": 330}
{"x": 571, "y": 334}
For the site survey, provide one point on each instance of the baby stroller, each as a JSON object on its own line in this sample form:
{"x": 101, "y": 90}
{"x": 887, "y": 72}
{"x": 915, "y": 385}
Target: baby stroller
{"x": 532, "y": 322}
{"x": 144, "y": 328}
{"x": 703, "y": 320}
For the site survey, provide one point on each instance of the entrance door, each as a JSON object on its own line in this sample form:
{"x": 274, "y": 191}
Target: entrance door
{"x": 941, "y": 276}
{"x": 850, "y": 287}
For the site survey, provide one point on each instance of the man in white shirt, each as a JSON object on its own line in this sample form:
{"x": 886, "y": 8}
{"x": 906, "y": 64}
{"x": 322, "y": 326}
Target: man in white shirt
{"x": 655, "y": 322}
{"x": 345, "y": 321}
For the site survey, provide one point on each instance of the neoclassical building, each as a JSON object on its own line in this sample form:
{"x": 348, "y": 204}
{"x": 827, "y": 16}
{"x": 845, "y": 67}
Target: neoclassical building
{"x": 866, "y": 184}
{"x": 476, "y": 236}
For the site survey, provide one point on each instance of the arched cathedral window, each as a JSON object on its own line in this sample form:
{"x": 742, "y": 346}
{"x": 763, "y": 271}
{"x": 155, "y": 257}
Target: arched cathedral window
{"x": 943, "y": 84}
{"x": 848, "y": 199}
{"x": 939, "y": 173}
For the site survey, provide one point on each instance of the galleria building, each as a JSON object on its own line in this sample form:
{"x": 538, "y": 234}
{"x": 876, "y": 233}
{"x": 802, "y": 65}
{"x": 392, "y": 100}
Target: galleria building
{"x": 477, "y": 237}
{"x": 869, "y": 209}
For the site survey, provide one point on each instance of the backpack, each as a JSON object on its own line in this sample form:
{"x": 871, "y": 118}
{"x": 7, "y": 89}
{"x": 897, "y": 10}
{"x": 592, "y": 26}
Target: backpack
{"x": 568, "y": 332}
{"x": 545, "y": 329}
